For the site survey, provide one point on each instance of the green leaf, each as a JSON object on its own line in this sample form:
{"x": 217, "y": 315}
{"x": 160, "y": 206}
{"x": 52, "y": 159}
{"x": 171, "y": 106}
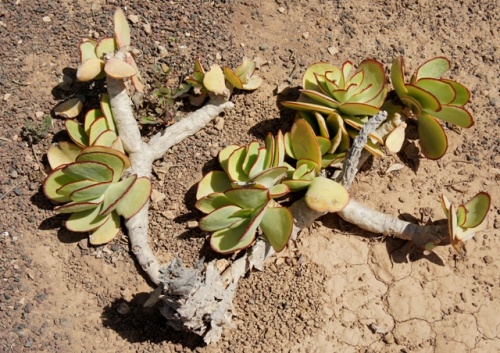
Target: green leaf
{"x": 106, "y": 45}
{"x": 259, "y": 163}
{"x": 235, "y": 165}
{"x": 69, "y": 188}
{"x": 358, "y": 109}
{"x": 214, "y": 182}
{"x": 229, "y": 240}
{"x": 105, "y": 104}
{"x": 340, "y": 140}
{"x": 427, "y": 101}
{"x": 462, "y": 94}
{"x": 78, "y": 206}
{"x": 278, "y": 190}
{"x": 97, "y": 128}
{"x": 88, "y": 170}
{"x": 107, "y": 231}
{"x": 270, "y": 177}
{"x": 304, "y": 142}
{"x": 91, "y": 116}
{"x": 270, "y": 145}
{"x": 309, "y": 81}
{"x": 248, "y": 197}
{"x": 324, "y": 144}
{"x": 62, "y": 153}
{"x": 321, "y": 98}
{"x": 253, "y": 83}
{"x": 245, "y": 70}
{"x": 326, "y": 195}
{"x": 85, "y": 221}
{"x": 443, "y": 91}
{"x": 69, "y": 109}
{"x": 455, "y": 115}
{"x": 288, "y": 145}
{"x": 373, "y": 81}
{"x": 296, "y": 185}
{"x": 54, "y": 181}
{"x": 135, "y": 198}
{"x": 308, "y": 107}
{"x": 277, "y": 226}
{"x": 87, "y": 50}
{"x": 331, "y": 159}
{"x": 198, "y": 67}
{"x": 107, "y": 157}
{"x": 232, "y": 78}
{"x": 476, "y": 210}
{"x": 252, "y": 152}
{"x": 433, "y": 68}
{"x": 279, "y": 150}
{"x": 219, "y": 219}
{"x": 90, "y": 192}
{"x": 122, "y": 29}
{"x": 210, "y": 203}
{"x": 225, "y": 154}
{"x": 115, "y": 193}
{"x": 77, "y": 133}
{"x": 397, "y": 76}
{"x": 105, "y": 139}
{"x": 433, "y": 140}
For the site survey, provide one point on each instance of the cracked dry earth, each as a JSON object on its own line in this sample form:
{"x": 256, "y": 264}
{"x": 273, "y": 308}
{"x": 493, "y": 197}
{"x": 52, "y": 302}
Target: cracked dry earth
{"x": 338, "y": 289}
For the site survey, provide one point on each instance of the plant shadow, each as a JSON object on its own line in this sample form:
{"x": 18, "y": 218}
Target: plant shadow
{"x": 138, "y": 324}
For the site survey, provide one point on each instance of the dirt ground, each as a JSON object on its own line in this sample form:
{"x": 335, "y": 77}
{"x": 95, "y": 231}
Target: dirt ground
{"x": 345, "y": 290}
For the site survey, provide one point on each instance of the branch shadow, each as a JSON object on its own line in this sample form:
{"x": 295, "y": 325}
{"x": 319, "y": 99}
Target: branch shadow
{"x": 138, "y": 324}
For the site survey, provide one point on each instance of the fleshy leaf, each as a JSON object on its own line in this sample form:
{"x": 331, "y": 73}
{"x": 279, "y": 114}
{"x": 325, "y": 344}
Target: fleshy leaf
{"x": 87, "y": 50}
{"x": 70, "y": 187}
{"x": 109, "y": 157}
{"x": 90, "y": 192}
{"x": 122, "y": 29}
{"x": 214, "y": 182}
{"x": 253, "y": 83}
{"x": 105, "y": 139}
{"x": 97, "y": 128}
{"x": 308, "y": 107}
{"x": 135, "y": 198}
{"x": 304, "y": 142}
{"x": 62, "y": 153}
{"x": 309, "y": 81}
{"x": 105, "y": 45}
{"x": 53, "y": 182}
{"x": 394, "y": 141}
{"x": 434, "y": 68}
{"x": 455, "y": 115}
{"x": 397, "y": 76}
{"x": 245, "y": 70}
{"x": 91, "y": 116}
{"x": 210, "y": 203}
{"x": 107, "y": 231}
{"x": 462, "y": 94}
{"x": 252, "y": 153}
{"x": 232, "y": 239}
{"x": 88, "y": 170}
{"x": 269, "y": 177}
{"x": 433, "y": 140}
{"x": 219, "y": 219}
{"x": 476, "y": 210}
{"x": 224, "y": 155}
{"x": 105, "y": 104}
{"x": 321, "y": 98}
{"x": 278, "y": 190}
{"x": 115, "y": 193}
{"x": 119, "y": 69}
{"x": 73, "y": 207}
{"x": 232, "y": 78}
{"x": 69, "y": 109}
{"x": 248, "y": 198}
{"x": 443, "y": 91}
{"x": 234, "y": 165}
{"x": 85, "y": 221}
{"x": 90, "y": 69}
{"x": 277, "y": 226}
{"x": 326, "y": 195}
{"x": 427, "y": 101}
{"x": 214, "y": 81}
{"x": 77, "y": 133}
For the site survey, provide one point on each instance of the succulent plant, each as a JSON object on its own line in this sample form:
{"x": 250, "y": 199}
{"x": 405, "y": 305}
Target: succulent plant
{"x": 92, "y": 189}
{"x": 466, "y": 220}
{"x": 98, "y": 60}
{"x": 337, "y": 102}
{"x": 98, "y": 130}
{"x": 430, "y": 98}
{"x": 222, "y": 81}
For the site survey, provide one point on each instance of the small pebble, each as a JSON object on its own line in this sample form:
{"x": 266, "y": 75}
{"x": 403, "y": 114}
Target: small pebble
{"x": 192, "y": 224}
{"x": 46, "y": 19}
{"x": 487, "y": 259}
{"x": 147, "y": 28}
{"x": 133, "y": 18}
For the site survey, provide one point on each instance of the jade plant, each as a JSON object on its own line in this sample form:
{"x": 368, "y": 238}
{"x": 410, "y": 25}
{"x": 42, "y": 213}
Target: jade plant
{"x": 264, "y": 195}
{"x": 431, "y": 97}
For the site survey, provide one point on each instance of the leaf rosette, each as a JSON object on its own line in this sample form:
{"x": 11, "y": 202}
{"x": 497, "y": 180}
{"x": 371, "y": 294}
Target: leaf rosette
{"x": 430, "y": 98}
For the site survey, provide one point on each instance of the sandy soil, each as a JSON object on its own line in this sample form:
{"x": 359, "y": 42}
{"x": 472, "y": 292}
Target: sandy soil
{"x": 345, "y": 290}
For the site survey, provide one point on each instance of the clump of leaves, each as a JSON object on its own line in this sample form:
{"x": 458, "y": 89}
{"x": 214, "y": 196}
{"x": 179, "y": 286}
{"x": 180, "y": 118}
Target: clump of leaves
{"x": 430, "y": 98}
{"x": 245, "y": 195}
{"x": 92, "y": 189}
{"x": 466, "y": 220}
{"x": 98, "y": 57}
{"x": 98, "y": 130}
{"x": 222, "y": 81}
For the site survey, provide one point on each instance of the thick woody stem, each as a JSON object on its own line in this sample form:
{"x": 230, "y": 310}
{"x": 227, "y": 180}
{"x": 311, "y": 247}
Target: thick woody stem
{"x": 143, "y": 155}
